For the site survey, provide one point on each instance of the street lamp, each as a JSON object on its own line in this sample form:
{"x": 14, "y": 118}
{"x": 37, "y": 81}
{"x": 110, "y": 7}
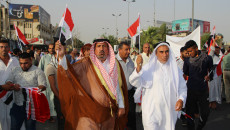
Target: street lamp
{"x": 192, "y": 13}
{"x": 105, "y": 30}
{"x": 128, "y": 10}
{"x": 116, "y": 24}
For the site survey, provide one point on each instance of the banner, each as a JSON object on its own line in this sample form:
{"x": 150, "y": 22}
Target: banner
{"x": 24, "y": 12}
{"x": 177, "y": 42}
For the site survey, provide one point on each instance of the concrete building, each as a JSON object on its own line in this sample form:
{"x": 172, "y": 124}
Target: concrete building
{"x": 4, "y": 21}
{"x": 33, "y": 21}
{"x": 168, "y": 24}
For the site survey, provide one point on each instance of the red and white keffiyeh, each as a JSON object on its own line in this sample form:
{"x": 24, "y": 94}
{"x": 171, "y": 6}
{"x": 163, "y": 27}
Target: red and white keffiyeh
{"x": 110, "y": 78}
{"x": 37, "y": 107}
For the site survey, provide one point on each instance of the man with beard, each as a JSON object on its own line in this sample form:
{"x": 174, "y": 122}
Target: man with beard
{"x": 93, "y": 91}
{"x": 26, "y": 76}
{"x": 51, "y": 73}
{"x": 180, "y": 64}
{"x": 128, "y": 67}
{"x": 162, "y": 88}
{"x": 45, "y": 60}
{"x": 7, "y": 63}
{"x": 215, "y": 83}
{"x": 183, "y": 55}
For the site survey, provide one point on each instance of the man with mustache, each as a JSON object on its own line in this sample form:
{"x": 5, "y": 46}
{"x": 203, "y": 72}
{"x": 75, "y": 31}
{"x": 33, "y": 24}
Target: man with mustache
{"x": 93, "y": 91}
{"x": 161, "y": 86}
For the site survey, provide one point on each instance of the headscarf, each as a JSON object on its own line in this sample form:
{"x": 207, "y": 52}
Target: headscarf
{"x": 83, "y": 49}
{"x": 150, "y": 68}
{"x": 197, "y": 61}
{"x": 110, "y": 78}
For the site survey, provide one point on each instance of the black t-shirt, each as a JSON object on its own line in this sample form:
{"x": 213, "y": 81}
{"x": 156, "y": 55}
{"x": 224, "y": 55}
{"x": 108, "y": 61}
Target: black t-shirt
{"x": 196, "y": 79}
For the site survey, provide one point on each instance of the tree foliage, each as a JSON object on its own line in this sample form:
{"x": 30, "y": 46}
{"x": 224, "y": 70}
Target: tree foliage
{"x": 113, "y": 40}
{"x": 204, "y": 39}
{"x": 154, "y": 35}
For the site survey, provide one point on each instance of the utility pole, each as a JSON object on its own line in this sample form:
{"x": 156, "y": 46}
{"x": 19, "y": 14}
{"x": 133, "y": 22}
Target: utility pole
{"x": 174, "y": 10}
{"x": 116, "y": 24}
{"x": 128, "y": 11}
{"x": 8, "y": 19}
{"x": 154, "y": 15}
{"x": 192, "y": 13}
{"x": 0, "y": 18}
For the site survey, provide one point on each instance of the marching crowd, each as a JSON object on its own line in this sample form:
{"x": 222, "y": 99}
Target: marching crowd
{"x": 97, "y": 89}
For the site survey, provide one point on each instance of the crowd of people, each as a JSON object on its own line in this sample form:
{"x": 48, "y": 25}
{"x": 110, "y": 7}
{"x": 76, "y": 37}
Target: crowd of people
{"x": 97, "y": 89}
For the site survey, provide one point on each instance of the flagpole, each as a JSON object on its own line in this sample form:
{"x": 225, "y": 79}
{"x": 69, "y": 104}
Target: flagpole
{"x": 61, "y": 25}
{"x": 18, "y": 38}
{"x": 139, "y": 34}
{"x": 60, "y": 31}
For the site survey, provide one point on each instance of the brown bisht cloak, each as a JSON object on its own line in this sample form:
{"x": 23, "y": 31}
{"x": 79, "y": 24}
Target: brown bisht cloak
{"x": 85, "y": 102}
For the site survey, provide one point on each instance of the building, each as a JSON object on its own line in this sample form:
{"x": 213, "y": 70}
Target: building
{"x": 183, "y": 27}
{"x": 33, "y": 21}
{"x": 168, "y": 24}
{"x": 4, "y": 21}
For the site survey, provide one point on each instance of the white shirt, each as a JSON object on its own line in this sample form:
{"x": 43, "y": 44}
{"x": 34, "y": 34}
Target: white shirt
{"x": 6, "y": 70}
{"x": 63, "y": 63}
{"x": 180, "y": 63}
{"x": 144, "y": 57}
{"x": 214, "y": 57}
{"x": 31, "y": 78}
{"x": 128, "y": 68}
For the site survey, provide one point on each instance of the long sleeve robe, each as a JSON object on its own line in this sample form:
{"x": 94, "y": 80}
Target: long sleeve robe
{"x": 215, "y": 84}
{"x": 159, "y": 98}
{"x": 86, "y": 101}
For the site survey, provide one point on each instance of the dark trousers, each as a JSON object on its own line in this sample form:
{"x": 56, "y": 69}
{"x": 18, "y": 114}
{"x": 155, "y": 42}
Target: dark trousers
{"x": 132, "y": 111}
{"x": 197, "y": 99}
{"x": 18, "y": 116}
{"x": 60, "y": 117}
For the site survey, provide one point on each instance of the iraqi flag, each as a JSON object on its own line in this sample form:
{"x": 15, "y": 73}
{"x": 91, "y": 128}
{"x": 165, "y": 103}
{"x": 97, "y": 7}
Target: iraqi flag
{"x": 6, "y": 96}
{"x": 66, "y": 25}
{"x": 134, "y": 32}
{"x": 218, "y": 67}
{"x": 134, "y": 29}
{"x": 21, "y": 38}
{"x": 210, "y": 41}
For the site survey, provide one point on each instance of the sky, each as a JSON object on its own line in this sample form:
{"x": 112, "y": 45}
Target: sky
{"x": 91, "y": 16}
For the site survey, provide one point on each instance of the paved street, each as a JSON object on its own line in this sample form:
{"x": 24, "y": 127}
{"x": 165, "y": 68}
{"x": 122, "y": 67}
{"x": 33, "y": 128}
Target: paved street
{"x": 218, "y": 120}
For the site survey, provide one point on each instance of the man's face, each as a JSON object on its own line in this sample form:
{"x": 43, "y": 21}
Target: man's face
{"x": 184, "y": 54}
{"x": 56, "y": 47}
{"x": 25, "y": 63}
{"x": 51, "y": 49}
{"x": 124, "y": 51}
{"x": 217, "y": 51}
{"x": 162, "y": 54}
{"x": 28, "y": 51}
{"x": 4, "y": 49}
{"x": 101, "y": 50}
{"x": 192, "y": 52}
{"x": 146, "y": 48}
{"x": 38, "y": 52}
{"x": 74, "y": 52}
{"x": 86, "y": 53}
